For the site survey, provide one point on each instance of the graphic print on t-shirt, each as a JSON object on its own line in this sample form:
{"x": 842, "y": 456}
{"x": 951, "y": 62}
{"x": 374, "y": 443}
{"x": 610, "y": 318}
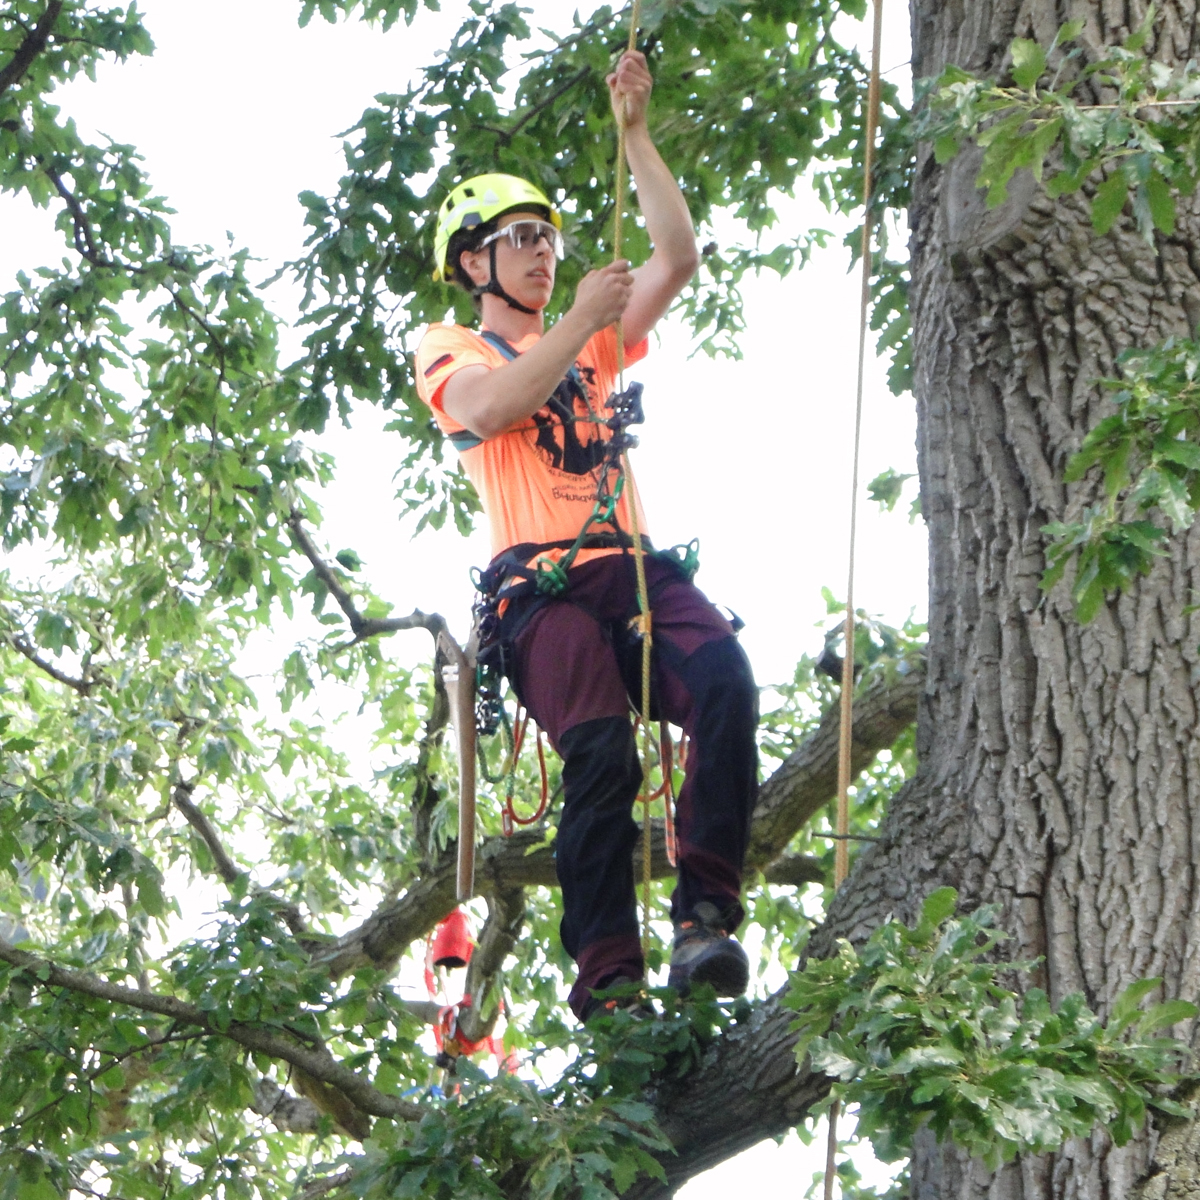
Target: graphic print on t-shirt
{"x": 564, "y": 435}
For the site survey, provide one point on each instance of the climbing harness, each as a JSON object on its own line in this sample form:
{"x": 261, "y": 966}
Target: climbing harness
{"x": 846, "y": 730}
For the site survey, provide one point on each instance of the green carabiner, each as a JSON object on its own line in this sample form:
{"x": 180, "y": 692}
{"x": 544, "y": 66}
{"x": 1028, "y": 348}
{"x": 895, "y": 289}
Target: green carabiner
{"x": 550, "y": 578}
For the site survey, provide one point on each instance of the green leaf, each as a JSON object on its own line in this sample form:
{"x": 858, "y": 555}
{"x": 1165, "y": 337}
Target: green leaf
{"x": 1068, "y": 33}
{"x": 1089, "y": 599}
{"x": 1029, "y": 61}
{"x": 624, "y": 1172}
{"x": 939, "y": 905}
{"x": 1109, "y": 202}
{"x": 886, "y": 487}
{"x": 1187, "y": 454}
{"x": 1169, "y": 1013}
{"x": 946, "y": 147}
{"x": 1125, "y": 1008}
{"x": 1161, "y": 201}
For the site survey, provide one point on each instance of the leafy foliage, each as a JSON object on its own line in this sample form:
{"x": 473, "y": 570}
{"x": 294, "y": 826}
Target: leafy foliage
{"x": 918, "y": 1029}
{"x": 1146, "y": 141}
{"x": 1144, "y": 144}
{"x": 1148, "y": 453}
{"x": 589, "y": 1134}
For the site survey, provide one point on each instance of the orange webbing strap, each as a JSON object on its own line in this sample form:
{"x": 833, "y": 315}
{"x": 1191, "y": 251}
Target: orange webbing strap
{"x": 846, "y": 737}
{"x": 639, "y": 553}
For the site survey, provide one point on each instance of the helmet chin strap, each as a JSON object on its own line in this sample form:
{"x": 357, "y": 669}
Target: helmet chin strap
{"x": 493, "y": 288}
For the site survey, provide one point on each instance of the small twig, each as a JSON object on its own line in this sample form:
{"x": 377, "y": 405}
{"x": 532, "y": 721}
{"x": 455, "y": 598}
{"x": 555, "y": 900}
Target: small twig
{"x": 849, "y": 837}
{"x": 564, "y": 87}
{"x": 363, "y": 627}
{"x": 181, "y": 797}
{"x": 82, "y": 686}
{"x": 85, "y": 245}
{"x": 32, "y": 45}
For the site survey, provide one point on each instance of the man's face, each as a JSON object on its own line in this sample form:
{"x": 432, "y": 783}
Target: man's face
{"x": 526, "y": 274}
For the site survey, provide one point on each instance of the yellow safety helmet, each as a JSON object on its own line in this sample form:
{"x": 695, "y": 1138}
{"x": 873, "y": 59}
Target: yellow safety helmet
{"x": 479, "y": 200}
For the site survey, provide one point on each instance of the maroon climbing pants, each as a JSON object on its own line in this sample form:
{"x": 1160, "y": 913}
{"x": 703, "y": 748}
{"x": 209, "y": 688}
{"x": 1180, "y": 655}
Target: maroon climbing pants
{"x": 577, "y": 669}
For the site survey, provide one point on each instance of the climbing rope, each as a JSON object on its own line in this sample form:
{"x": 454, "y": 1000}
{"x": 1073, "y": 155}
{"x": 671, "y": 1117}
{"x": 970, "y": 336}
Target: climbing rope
{"x": 639, "y": 553}
{"x": 841, "y": 861}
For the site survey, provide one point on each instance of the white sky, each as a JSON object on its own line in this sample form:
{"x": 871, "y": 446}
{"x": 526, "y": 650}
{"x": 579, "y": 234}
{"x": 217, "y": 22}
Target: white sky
{"x": 237, "y": 112}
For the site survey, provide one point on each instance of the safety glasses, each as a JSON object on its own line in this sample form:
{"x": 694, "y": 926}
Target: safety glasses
{"x": 526, "y": 233}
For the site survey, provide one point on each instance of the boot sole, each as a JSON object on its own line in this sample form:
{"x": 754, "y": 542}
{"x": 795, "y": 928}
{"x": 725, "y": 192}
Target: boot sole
{"x": 728, "y": 975}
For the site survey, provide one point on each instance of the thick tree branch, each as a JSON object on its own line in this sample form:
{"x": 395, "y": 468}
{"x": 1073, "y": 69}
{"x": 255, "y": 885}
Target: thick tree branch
{"x": 806, "y": 780}
{"x": 748, "y": 1088}
{"x": 291, "y": 1114}
{"x": 318, "y": 1063}
{"x": 362, "y": 627}
{"x": 31, "y": 46}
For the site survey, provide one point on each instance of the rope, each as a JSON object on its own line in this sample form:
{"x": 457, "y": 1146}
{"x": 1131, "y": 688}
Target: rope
{"x": 639, "y": 553}
{"x": 841, "y": 861}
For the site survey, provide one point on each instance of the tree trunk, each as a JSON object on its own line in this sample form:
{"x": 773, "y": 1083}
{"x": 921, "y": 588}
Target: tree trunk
{"x": 1059, "y": 764}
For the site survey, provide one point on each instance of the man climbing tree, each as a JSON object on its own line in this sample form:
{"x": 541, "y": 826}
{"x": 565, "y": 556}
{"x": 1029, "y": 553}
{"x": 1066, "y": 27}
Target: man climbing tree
{"x": 1058, "y": 737}
{"x": 532, "y": 416}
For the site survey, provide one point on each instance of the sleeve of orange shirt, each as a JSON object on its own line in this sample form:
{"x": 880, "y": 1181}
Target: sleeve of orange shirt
{"x": 444, "y": 350}
{"x": 604, "y": 349}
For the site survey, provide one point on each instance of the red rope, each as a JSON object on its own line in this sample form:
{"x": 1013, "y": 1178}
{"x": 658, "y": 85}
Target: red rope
{"x": 508, "y": 815}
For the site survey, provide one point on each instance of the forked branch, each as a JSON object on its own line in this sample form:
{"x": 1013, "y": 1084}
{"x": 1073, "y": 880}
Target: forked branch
{"x": 362, "y": 627}
{"x": 506, "y": 915}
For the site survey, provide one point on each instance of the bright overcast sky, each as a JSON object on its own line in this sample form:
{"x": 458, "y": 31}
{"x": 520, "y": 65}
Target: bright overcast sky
{"x": 238, "y": 111}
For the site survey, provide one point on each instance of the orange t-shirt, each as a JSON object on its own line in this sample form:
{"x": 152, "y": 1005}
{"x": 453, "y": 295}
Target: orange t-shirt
{"x": 537, "y": 480}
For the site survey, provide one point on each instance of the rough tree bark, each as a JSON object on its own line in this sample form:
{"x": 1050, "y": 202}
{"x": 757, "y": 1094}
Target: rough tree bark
{"x": 1058, "y": 763}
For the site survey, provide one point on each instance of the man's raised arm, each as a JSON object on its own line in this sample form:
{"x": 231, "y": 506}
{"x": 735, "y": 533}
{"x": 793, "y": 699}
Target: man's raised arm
{"x": 675, "y": 259}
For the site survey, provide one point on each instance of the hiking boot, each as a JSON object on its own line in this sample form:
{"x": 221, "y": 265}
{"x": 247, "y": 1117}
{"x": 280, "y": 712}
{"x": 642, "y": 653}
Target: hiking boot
{"x": 703, "y": 952}
{"x": 637, "y": 1004}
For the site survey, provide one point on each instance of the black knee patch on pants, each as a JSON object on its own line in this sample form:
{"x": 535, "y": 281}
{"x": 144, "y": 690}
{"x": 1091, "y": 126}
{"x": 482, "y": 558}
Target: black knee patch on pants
{"x": 596, "y": 832}
{"x": 724, "y": 771}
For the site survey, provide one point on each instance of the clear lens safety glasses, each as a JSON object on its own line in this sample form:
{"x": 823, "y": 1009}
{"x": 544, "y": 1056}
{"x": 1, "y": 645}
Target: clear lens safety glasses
{"x": 526, "y": 233}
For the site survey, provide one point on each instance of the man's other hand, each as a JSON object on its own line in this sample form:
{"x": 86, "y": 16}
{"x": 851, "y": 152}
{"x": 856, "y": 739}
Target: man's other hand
{"x": 602, "y": 296}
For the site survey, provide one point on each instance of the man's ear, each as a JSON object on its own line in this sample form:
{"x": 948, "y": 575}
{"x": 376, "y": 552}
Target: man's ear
{"x": 473, "y": 267}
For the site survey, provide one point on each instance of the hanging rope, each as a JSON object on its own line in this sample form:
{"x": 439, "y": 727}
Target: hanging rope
{"x": 509, "y": 818}
{"x": 841, "y": 860}
{"x": 639, "y": 553}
